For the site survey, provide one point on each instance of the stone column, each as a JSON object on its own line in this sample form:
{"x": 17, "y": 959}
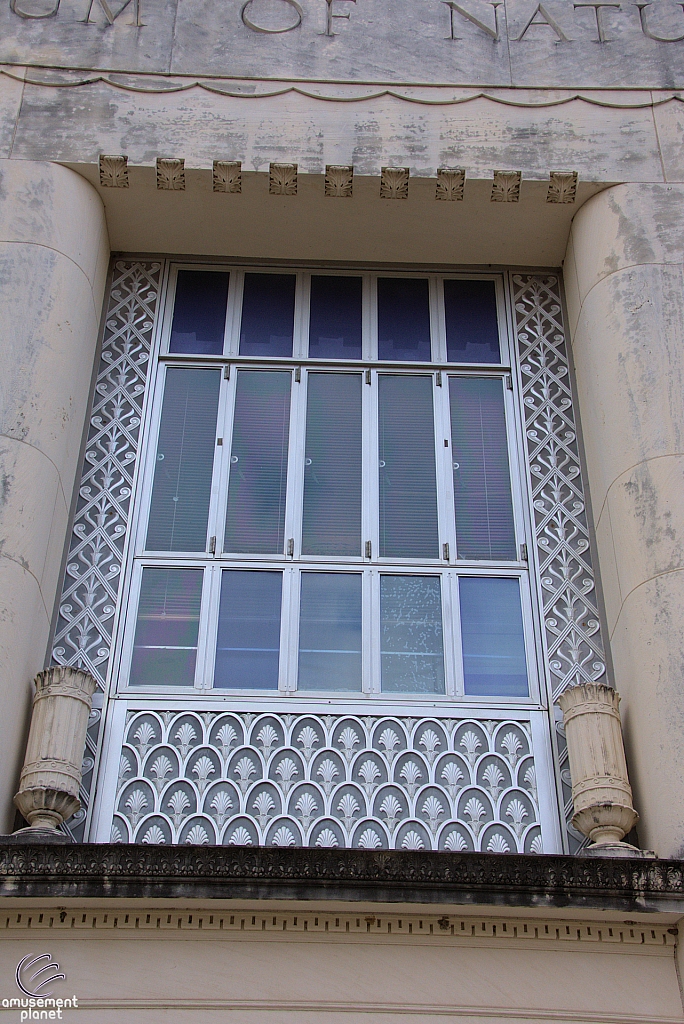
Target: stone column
{"x": 54, "y": 253}
{"x": 625, "y": 288}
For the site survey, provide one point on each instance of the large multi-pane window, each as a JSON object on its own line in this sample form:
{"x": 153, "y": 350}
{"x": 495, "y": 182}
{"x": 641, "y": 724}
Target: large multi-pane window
{"x": 331, "y": 504}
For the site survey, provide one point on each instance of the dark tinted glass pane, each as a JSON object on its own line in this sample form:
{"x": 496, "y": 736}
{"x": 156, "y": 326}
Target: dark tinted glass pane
{"x": 268, "y": 305}
{"x": 165, "y": 645}
{"x": 335, "y": 323}
{"x": 185, "y": 458}
{"x": 403, "y": 319}
{"x": 408, "y": 485}
{"x": 330, "y": 631}
{"x": 247, "y": 648}
{"x": 472, "y": 329}
{"x": 492, "y": 636}
{"x": 199, "y": 312}
{"x": 255, "y": 518}
{"x": 332, "y": 469}
{"x": 482, "y": 481}
{"x": 411, "y": 649}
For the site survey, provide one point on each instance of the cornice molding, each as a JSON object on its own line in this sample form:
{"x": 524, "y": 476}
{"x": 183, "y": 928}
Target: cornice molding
{"x": 515, "y": 880}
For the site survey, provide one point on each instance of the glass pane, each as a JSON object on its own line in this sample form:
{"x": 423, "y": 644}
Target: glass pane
{"x": 335, "y": 321}
{"x": 247, "y": 648}
{"x": 482, "y": 480}
{"x": 165, "y": 645}
{"x": 330, "y": 631}
{"x": 181, "y": 490}
{"x": 403, "y": 319}
{"x": 332, "y": 468}
{"x": 199, "y": 312}
{"x": 268, "y": 305}
{"x": 408, "y": 486}
{"x": 255, "y": 519}
{"x": 492, "y": 636}
{"x": 411, "y": 650}
{"x": 472, "y": 329}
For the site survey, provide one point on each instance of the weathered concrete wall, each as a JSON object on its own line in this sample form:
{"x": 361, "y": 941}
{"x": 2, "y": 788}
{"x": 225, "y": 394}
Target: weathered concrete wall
{"x": 53, "y": 262}
{"x": 625, "y": 287}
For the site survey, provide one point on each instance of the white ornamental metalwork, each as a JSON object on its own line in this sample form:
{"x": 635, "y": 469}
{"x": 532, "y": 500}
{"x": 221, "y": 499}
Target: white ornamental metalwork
{"x": 88, "y": 604}
{"x": 369, "y": 782}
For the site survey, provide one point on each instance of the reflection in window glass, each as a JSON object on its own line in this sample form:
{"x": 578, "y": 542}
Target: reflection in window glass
{"x": 330, "y": 631}
{"x": 199, "y": 312}
{"x": 494, "y": 662}
{"x": 472, "y": 329}
{"x": 408, "y": 484}
{"x": 403, "y": 319}
{"x": 335, "y": 320}
{"x": 248, "y": 642}
{"x": 165, "y": 644}
{"x": 267, "y": 325}
{"x": 255, "y": 518}
{"x": 179, "y": 508}
{"x": 411, "y": 648}
{"x": 482, "y": 481}
{"x": 332, "y": 466}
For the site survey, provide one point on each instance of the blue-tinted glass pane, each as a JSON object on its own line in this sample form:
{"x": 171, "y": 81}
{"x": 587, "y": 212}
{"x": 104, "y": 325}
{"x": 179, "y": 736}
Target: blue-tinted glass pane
{"x": 165, "y": 644}
{"x": 179, "y": 508}
{"x": 408, "y": 485}
{"x": 199, "y": 312}
{"x": 255, "y": 518}
{"x": 411, "y": 648}
{"x": 482, "y": 480}
{"x": 403, "y": 319}
{"x": 472, "y": 328}
{"x": 494, "y": 662}
{"x": 330, "y": 631}
{"x": 332, "y": 469}
{"x": 247, "y": 648}
{"x": 267, "y": 324}
{"x": 335, "y": 321}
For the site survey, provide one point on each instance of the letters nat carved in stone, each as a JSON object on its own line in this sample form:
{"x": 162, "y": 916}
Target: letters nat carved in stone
{"x": 275, "y": 17}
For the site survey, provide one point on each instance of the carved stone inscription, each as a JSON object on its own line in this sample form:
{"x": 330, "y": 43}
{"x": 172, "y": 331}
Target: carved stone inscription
{"x": 561, "y": 43}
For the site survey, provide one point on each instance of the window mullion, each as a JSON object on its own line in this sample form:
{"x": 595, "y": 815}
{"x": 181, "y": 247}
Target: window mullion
{"x": 226, "y": 418}
{"x": 371, "y": 482}
{"x": 289, "y": 631}
{"x": 206, "y": 639}
{"x": 374, "y": 629}
{"x": 443, "y": 465}
{"x": 295, "y": 465}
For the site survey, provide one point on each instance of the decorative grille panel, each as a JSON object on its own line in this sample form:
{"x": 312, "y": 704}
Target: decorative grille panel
{"x": 245, "y": 779}
{"x": 90, "y": 593}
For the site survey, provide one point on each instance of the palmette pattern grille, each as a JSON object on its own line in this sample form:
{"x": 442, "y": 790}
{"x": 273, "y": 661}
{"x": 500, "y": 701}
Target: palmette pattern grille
{"x": 90, "y": 593}
{"x": 371, "y": 782}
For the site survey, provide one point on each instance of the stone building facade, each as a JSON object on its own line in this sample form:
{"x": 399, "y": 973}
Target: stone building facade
{"x": 341, "y": 434}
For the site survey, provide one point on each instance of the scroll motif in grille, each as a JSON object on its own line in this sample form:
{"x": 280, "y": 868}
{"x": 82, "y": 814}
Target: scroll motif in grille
{"x": 271, "y": 779}
{"x": 90, "y": 592}
{"x": 571, "y": 621}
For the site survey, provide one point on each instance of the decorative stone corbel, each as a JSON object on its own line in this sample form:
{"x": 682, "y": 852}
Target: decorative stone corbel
{"x": 601, "y": 793}
{"x": 51, "y": 776}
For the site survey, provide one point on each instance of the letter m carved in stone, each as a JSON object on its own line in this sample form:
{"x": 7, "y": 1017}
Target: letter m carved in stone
{"x": 110, "y": 15}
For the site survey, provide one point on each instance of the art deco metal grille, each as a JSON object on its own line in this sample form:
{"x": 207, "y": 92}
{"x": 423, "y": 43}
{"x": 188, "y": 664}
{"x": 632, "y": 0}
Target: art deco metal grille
{"x": 87, "y": 609}
{"x": 196, "y": 776}
{"x": 575, "y": 651}
{"x": 368, "y": 782}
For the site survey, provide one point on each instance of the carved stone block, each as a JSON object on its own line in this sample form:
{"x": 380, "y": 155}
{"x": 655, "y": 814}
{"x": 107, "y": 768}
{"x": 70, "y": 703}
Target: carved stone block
{"x": 506, "y": 187}
{"x": 113, "y": 171}
{"x": 339, "y": 180}
{"x": 170, "y": 174}
{"x": 450, "y": 183}
{"x": 394, "y": 183}
{"x": 601, "y": 793}
{"x": 51, "y": 776}
{"x": 282, "y": 179}
{"x": 227, "y": 176}
{"x": 562, "y": 187}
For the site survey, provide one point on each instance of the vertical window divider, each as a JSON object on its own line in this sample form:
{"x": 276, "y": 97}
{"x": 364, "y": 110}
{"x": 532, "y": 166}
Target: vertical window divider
{"x": 302, "y": 311}
{"x": 371, "y": 291}
{"x": 437, "y": 320}
{"x": 295, "y": 463}
{"x": 449, "y": 628}
{"x": 216, "y": 528}
{"x": 206, "y": 641}
{"x": 367, "y": 635}
{"x": 225, "y": 425}
{"x": 454, "y": 631}
{"x": 371, "y": 481}
{"x": 375, "y": 685}
{"x": 289, "y": 631}
{"x": 445, "y": 477}
{"x": 235, "y": 290}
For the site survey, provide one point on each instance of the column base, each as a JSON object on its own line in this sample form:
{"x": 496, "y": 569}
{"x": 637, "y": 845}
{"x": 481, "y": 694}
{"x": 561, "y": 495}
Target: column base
{"x": 43, "y": 836}
{"x": 617, "y": 850}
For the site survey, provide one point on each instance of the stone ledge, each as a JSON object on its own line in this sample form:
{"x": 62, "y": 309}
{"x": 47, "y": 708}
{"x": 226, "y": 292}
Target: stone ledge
{"x": 460, "y": 879}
